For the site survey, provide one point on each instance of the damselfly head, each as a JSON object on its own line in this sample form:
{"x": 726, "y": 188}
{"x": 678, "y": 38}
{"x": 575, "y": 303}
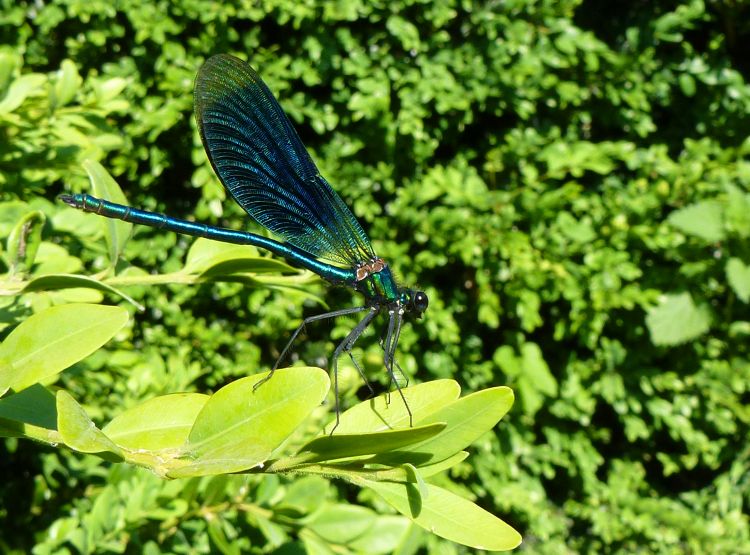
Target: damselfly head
{"x": 415, "y": 302}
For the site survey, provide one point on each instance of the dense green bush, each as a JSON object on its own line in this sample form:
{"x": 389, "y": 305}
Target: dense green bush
{"x": 568, "y": 182}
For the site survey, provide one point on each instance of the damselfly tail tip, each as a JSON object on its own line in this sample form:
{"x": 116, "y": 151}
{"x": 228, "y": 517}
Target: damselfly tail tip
{"x": 68, "y": 199}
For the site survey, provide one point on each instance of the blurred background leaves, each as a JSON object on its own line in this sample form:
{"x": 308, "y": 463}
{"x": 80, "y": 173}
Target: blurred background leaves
{"x": 568, "y": 181}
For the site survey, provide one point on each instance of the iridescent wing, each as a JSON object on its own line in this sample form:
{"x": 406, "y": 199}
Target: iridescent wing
{"x": 262, "y": 162}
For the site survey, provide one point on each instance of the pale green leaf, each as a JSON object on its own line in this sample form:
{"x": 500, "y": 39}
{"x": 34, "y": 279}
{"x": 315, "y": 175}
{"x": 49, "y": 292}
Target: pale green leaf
{"x": 341, "y": 524}
{"x": 24, "y": 241}
{"x": 54, "y": 259}
{"x": 209, "y": 258}
{"x": 687, "y": 84}
{"x": 535, "y": 380}
{"x": 388, "y": 411}
{"x": 67, "y": 85}
{"x": 305, "y": 494}
{"x": 104, "y": 186}
{"x": 52, "y": 282}
{"x": 738, "y": 211}
{"x": 704, "y": 219}
{"x": 9, "y": 60}
{"x": 405, "y": 31}
{"x": 449, "y": 516}
{"x": 78, "y": 431}
{"x": 240, "y": 426}
{"x": 160, "y": 423}
{"x": 109, "y": 89}
{"x": 738, "y": 276}
{"x": 20, "y": 89}
{"x": 467, "y": 419}
{"x": 677, "y": 319}
{"x": 50, "y": 341}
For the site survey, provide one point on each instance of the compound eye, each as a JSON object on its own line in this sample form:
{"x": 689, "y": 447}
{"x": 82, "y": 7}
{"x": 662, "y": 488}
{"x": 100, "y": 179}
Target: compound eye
{"x": 420, "y": 301}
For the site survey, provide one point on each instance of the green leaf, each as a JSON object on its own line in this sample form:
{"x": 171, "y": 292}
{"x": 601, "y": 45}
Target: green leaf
{"x": 448, "y": 515}
{"x": 738, "y": 276}
{"x": 20, "y": 89}
{"x": 160, "y": 423}
{"x": 405, "y": 31}
{"x": 314, "y": 545}
{"x": 8, "y": 62}
{"x": 352, "y": 445}
{"x": 738, "y": 211}
{"x": 104, "y": 186}
{"x": 425, "y": 471}
{"x": 209, "y": 258}
{"x": 219, "y": 540}
{"x": 342, "y": 524}
{"x": 53, "y": 282}
{"x": 305, "y": 494}
{"x": 78, "y": 431}
{"x": 34, "y": 406}
{"x": 385, "y": 536}
{"x": 50, "y": 341}
{"x": 578, "y": 230}
{"x": 24, "y": 240}
{"x": 467, "y": 419}
{"x": 703, "y": 219}
{"x": 534, "y": 378}
{"x": 414, "y": 477}
{"x": 677, "y": 319}
{"x": 388, "y": 411}
{"x": 239, "y": 427}
{"x": 687, "y": 84}
{"x": 67, "y": 85}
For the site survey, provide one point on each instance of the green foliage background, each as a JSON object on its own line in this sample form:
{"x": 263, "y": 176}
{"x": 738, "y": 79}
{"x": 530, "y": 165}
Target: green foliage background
{"x": 567, "y": 181}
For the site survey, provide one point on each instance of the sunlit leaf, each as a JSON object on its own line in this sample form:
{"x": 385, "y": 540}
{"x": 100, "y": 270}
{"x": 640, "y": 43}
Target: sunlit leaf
{"x": 446, "y": 514}
{"x": 738, "y": 276}
{"x": 67, "y": 85}
{"x": 704, "y": 219}
{"x": 66, "y": 281}
{"x": 677, "y": 319}
{"x": 388, "y": 411}
{"x": 240, "y": 426}
{"x": 50, "y": 341}
{"x": 104, "y": 186}
{"x": 466, "y": 418}
{"x": 342, "y": 524}
{"x": 34, "y": 406}
{"x": 79, "y": 432}
{"x": 214, "y": 258}
{"x": 342, "y": 445}
{"x": 20, "y": 89}
{"x": 159, "y": 423}
{"x": 24, "y": 240}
